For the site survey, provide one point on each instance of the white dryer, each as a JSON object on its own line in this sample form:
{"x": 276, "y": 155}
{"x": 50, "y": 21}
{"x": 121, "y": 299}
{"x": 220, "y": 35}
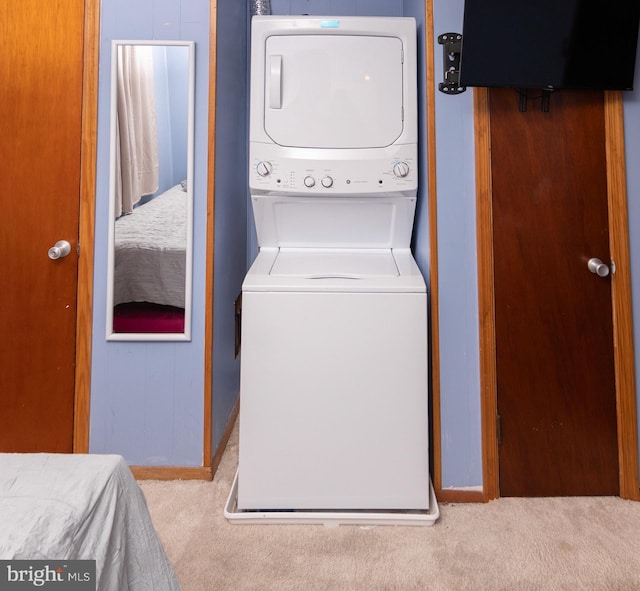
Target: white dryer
{"x": 334, "y": 367}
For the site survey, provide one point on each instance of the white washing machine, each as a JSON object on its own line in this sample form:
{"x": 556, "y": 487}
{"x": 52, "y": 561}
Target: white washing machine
{"x": 334, "y": 367}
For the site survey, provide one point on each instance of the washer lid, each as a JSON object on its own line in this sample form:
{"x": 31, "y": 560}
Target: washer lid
{"x": 326, "y": 264}
{"x": 334, "y": 270}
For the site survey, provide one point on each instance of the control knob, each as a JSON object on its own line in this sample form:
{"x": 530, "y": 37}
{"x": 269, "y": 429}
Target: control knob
{"x": 401, "y": 169}
{"x": 327, "y": 182}
{"x": 264, "y": 168}
{"x": 309, "y": 181}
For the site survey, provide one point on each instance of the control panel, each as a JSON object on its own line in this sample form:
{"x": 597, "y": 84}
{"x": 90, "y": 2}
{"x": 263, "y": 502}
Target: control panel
{"x": 272, "y": 174}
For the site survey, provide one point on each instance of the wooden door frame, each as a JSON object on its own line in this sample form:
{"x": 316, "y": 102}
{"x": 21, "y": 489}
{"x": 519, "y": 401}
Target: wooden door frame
{"x": 209, "y": 460}
{"x": 212, "y": 459}
{"x": 84, "y": 307}
{"x": 620, "y": 293}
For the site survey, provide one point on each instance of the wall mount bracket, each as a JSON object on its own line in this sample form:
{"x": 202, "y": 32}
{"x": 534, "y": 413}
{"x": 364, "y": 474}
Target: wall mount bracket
{"x": 451, "y": 49}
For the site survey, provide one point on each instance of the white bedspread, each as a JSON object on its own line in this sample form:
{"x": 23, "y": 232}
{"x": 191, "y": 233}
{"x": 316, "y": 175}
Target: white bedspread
{"x": 63, "y": 506}
{"x": 150, "y": 251}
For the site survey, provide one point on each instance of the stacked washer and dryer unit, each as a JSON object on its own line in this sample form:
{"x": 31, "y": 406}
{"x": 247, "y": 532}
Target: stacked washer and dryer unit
{"x": 334, "y": 370}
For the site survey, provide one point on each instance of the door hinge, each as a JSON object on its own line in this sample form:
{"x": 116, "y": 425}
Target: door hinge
{"x": 499, "y": 429}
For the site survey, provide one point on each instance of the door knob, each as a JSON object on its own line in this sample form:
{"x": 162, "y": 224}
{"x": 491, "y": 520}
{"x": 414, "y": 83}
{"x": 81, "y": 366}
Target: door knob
{"x": 60, "y": 249}
{"x": 598, "y": 267}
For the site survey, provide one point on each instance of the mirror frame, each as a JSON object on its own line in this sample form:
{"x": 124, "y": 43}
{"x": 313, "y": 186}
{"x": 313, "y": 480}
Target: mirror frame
{"x": 122, "y": 336}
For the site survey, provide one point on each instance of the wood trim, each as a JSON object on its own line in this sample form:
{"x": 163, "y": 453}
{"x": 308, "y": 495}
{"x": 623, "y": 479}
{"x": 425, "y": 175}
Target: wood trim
{"x": 210, "y": 258}
{"x": 453, "y": 495}
{"x": 433, "y": 248}
{"x": 621, "y": 297}
{"x": 84, "y": 311}
{"x": 171, "y": 473}
{"x": 486, "y": 296}
{"x": 217, "y": 458}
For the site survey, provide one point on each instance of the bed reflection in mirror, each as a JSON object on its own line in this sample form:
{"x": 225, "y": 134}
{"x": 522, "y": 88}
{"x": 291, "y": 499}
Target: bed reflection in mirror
{"x": 150, "y": 234}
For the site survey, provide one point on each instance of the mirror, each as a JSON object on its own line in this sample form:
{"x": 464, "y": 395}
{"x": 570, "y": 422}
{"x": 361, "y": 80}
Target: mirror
{"x": 151, "y": 191}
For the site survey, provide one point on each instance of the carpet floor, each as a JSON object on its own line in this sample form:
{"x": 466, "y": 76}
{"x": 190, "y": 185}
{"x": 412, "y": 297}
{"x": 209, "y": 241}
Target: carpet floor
{"x": 509, "y": 544}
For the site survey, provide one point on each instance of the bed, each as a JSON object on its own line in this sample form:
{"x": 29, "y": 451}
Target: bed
{"x": 151, "y": 251}
{"x": 68, "y": 506}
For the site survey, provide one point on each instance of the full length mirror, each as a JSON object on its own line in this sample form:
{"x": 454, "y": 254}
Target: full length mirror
{"x": 151, "y": 191}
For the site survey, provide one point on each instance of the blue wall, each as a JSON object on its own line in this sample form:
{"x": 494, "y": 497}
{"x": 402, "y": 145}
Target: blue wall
{"x": 147, "y": 398}
{"x": 457, "y": 271}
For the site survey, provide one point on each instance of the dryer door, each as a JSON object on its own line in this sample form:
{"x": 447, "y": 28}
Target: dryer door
{"x": 333, "y": 91}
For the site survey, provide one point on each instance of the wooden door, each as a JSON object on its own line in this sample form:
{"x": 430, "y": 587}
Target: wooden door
{"x": 554, "y": 336}
{"x": 40, "y": 119}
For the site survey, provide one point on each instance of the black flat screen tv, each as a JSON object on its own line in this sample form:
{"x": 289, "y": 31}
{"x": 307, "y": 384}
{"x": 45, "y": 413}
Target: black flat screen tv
{"x": 550, "y": 44}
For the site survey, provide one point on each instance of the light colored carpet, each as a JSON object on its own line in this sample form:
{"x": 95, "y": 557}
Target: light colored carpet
{"x": 508, "y": 544}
